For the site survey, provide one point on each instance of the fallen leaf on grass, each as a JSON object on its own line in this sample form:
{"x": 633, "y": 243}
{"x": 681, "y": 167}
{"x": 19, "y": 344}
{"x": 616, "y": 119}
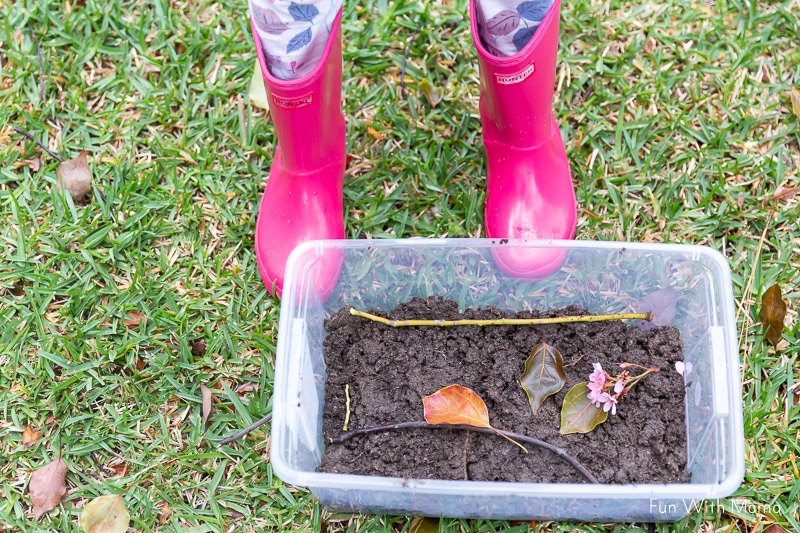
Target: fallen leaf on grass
{"x": 455, "y": 404}
{"x": 198, "y": 348}
{"x": 75, "y": 176}
{"x": 430, "y": 92}
{"x": 544, "y": 374}
{"x": 421, "y": 524}
{"x": 163, "y": 514}
{"x": 34, "y": 164}
{"x": 31, "y": 436}
{"x": 772, "y": 314}
{"x": 578, "y": 413}
{"x": 663, "y": 304}
{"x": 247, "y": 386}
{"x": 205, "y": 392}
{"x": 258, "y": 92}
{"x": 785, "y": 193}
{"x": 794, "y": 96}
{"x": 105, "y": 514}
{"x": 134, "y": 319}
{"x": 47, "y": 486}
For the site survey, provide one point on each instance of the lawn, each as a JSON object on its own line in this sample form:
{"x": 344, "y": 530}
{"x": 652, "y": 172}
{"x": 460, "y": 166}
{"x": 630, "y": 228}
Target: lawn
{"x": 679, "y": 127}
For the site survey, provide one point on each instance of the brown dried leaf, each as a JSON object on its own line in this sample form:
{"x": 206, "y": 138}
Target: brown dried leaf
{"x": 163, "y": 514}
{"x": 47, "y": 486}
{"x": 247, "y": 386}
{"x": 35, "y": 164}
{"x": 772, "y": 314}
{"x": 774, "y": 528}
{"x": 544, "y": 374}
{"x": 75, "y": 176}
{"x": 119, "y": 470}
{"x": 198, "y": 348}
{"x": 134, "y": 319}
{"x": 31, "y": 436}
{"x": 794, "y": 96}
{"x": 422, "y": 524}
{"x": 455, "y": 404}
{"x": 205, "y": 392}
{"x": 105, "y": 514}
{"x": 785, "y": 193}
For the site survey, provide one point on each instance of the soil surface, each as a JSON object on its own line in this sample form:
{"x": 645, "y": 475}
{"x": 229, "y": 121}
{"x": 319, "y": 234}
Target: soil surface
{"x": 387, "y": 370}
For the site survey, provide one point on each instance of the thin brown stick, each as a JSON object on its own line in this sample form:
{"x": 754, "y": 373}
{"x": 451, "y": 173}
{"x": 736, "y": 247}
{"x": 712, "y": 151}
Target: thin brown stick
{"x": 245, "y": 431}
{"x": 39, "y": 144}
{"x": 507, "y": 434}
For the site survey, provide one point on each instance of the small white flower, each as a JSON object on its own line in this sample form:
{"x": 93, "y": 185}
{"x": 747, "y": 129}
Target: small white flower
{"x": 683, "y": 368}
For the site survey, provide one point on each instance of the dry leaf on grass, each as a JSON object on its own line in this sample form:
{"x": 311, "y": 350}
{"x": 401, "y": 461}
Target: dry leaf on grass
{"x": 772, "y": 314}
{"x": 105, "y": 514}
{"x": 258, "y": 93}
{"x": 134, "y": 319}
{"x": 75, "y": 176}
{"x": 163, "y": 514}
{"x": 421, "y": 524}
{"x": 785, "y": 193}
{"x": 31, "y": 436}
{"x": 207, "y": 404}
{"x": 47, "y": 486}
{"x": 794, "y": 96}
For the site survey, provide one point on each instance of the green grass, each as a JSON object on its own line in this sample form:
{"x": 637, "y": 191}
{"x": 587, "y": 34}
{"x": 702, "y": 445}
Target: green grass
{"x": 678, "y": 126}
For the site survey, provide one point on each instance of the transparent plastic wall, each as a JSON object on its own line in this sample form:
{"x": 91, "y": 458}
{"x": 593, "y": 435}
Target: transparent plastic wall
{"x": 600, "y": 277}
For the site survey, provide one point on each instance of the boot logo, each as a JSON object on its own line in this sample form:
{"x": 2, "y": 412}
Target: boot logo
{"x": 511, "y": 79}
{"x": 293, "y": 103}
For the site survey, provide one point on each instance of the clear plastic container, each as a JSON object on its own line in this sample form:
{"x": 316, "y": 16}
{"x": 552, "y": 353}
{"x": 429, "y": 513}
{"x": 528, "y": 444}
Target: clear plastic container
{"x": 604, "y": 277}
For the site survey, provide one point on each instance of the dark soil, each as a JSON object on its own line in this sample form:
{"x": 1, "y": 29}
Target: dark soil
{"x": 387, "y": 371}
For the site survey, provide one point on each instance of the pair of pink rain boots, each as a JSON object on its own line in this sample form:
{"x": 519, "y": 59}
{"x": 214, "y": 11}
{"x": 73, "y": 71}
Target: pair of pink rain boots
{"x": 529, "y": 187}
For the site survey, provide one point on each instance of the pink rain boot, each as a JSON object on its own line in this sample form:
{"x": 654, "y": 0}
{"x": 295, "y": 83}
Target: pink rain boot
{"x": 529, "y": 188}
{"x": 303, "y": 197}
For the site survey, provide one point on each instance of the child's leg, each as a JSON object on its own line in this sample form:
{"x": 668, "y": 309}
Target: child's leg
{"x": 293, "y": 33}
{"x": 506, "y": 26}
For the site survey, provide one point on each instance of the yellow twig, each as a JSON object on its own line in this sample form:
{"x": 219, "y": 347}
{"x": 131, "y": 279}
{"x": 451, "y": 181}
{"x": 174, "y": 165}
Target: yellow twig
{"x": 504, "y": 321}
{"x": 347, "y": 406}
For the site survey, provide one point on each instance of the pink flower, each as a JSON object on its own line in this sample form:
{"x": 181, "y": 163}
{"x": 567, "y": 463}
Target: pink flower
{"x": 609, "y": 403}
{"x": 595, "y": 392}
{"x": 598, "y": 376}
{"x": 619, "y": 386}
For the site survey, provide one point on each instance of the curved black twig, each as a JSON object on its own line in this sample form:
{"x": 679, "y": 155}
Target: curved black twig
{"x": 403, "y": 66}
{"x": 245, "y": 431}
{"x": 39, "y": 144}
{"x": 515, "y": 436}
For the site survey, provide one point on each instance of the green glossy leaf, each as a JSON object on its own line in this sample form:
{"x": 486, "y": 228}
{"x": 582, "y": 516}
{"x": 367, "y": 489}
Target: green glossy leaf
{"x": 772, "y": 314}
{"x": 578, "y": 415}
{"x": 544, "y": 374}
